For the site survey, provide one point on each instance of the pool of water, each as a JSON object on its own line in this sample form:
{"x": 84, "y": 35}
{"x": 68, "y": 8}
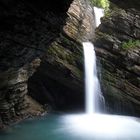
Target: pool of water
{"x": 75, "y": 127}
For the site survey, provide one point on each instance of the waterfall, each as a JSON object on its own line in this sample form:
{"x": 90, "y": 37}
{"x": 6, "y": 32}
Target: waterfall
{"x": 92, "y": 86}
{"x": 93, "y": 125}
{"x": 99, "y": 12}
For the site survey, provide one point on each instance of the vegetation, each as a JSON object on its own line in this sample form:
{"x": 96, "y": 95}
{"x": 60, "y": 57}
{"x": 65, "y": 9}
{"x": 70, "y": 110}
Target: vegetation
{"x": 101, "y": 3}
{"x": 130, "y": 44}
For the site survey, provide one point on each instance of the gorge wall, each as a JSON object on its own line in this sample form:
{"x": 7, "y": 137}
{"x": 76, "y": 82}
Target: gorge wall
{"x": 120, "y": 65}
{"x": 48, "y": 35}
{"x": 60, "y": 76}
{"x": 41, "y": 56}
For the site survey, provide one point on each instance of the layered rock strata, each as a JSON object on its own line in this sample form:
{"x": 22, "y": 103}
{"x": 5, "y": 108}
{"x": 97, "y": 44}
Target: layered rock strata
{"x": 47, "y": 33}
{"x": 60, "y": 76}
{"x": 27, "y": 29}
{"x": 120, "y": 66}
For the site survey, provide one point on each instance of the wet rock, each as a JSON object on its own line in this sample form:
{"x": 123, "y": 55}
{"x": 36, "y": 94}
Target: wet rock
{"x": 60, "y": 77}
{"x": 120, "y": 67}
{"x": 49, "y": 33}
{"x": 26, "y": 31}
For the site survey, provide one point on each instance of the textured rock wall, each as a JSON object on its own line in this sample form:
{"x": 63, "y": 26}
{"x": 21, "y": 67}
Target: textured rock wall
{"x": 27, "y": 28}
{"x": 120, "y": 68}
{"x": 47, "y": 33}
{"x": 60, "y": 76}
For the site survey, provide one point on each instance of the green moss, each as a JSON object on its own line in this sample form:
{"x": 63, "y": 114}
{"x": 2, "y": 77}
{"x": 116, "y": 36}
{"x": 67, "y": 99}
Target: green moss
{"x": 100, "y": 3}
{"x": 58, "y": 52}
{"x": 104, "y": 36}
{"x": 130, "y": 44}
{"x": 65, "y": 58}
{"x": 109, "y": 77}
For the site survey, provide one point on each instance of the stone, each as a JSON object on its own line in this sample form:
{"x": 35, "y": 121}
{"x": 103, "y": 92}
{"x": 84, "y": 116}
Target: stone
{"x": 41, "y": 55}
{"x": 120, "y": 68}
{"x": 60, "y": 76}
{"x": 26, "y": 32}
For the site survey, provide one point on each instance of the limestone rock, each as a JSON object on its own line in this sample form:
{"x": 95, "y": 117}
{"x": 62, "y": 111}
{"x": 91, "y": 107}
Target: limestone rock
{"x": 26, "y": 30}
{"x": 120, "y": 67}
{"x": 47, "y": 33}
{"x": 60, "y": 76}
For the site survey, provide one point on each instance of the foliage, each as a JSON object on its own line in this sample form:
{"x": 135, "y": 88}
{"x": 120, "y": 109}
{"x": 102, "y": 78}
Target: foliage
{"x": 130, "y": 44}
{"x": 101, "y": 3}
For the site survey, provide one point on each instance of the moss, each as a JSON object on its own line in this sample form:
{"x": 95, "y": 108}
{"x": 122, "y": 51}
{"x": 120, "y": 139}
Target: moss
{"x": 130, "y": 44}
{"x": 100, "y": 3}
{"x": 105, "y": 37}
{"x": 102, "y": 35}
{"x": 109, "y": 77}
{"x": 74, "y": 70}
{"x": 65, "y": 58}
{"x": 65, "y": 40}
{"x": 67, "y": 53}
{"x": 58, "y": 52}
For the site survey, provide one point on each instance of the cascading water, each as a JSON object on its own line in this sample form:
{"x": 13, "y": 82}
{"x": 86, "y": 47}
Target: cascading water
{"x": 87, "y": 126}
{"x": 91, "y": 124}
{"x": 92, "y": 86}
{"x": 99, "y": 12}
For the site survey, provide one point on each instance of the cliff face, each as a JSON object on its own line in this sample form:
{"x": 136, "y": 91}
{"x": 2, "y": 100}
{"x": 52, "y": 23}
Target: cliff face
{"x": 60, "y": 76}
{"x": 120, "y": 65}
{"x": 41, "y": 56}
{"x": 47, "y": 33}
{"x": 26, "y": 30}
{"x": 127, "y": 4}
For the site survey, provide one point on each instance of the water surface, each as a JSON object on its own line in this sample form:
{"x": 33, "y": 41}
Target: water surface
{"x": 75, "y": 127}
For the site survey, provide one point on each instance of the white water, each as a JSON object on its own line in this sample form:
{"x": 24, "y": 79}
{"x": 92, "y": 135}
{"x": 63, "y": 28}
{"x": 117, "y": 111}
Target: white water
{"x": 103, "y": 127}
{"x": 99, "y": 126}
{"x": 99, "y": 12}
{"x": 78, "y": 126}
{"x": 92, "y": 87}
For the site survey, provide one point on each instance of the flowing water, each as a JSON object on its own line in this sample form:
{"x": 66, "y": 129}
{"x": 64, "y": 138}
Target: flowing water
{"x": 92, "y": 86}
{"x": 99, "y": 12}
{"x": 88, "y": 126}
{"x": 93, "y": 94}
{"x": 75, "y": 127}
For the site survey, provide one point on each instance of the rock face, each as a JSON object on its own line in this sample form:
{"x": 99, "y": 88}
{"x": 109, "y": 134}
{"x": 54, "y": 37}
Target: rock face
{"x": 60, "y": 77}
{"x": 26, "y": 30}
{"x": 120, "y": 67}
{"x": 127, "y": 4}
{"x": 41, "y": 56}
{"x": 47, "y": 33}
